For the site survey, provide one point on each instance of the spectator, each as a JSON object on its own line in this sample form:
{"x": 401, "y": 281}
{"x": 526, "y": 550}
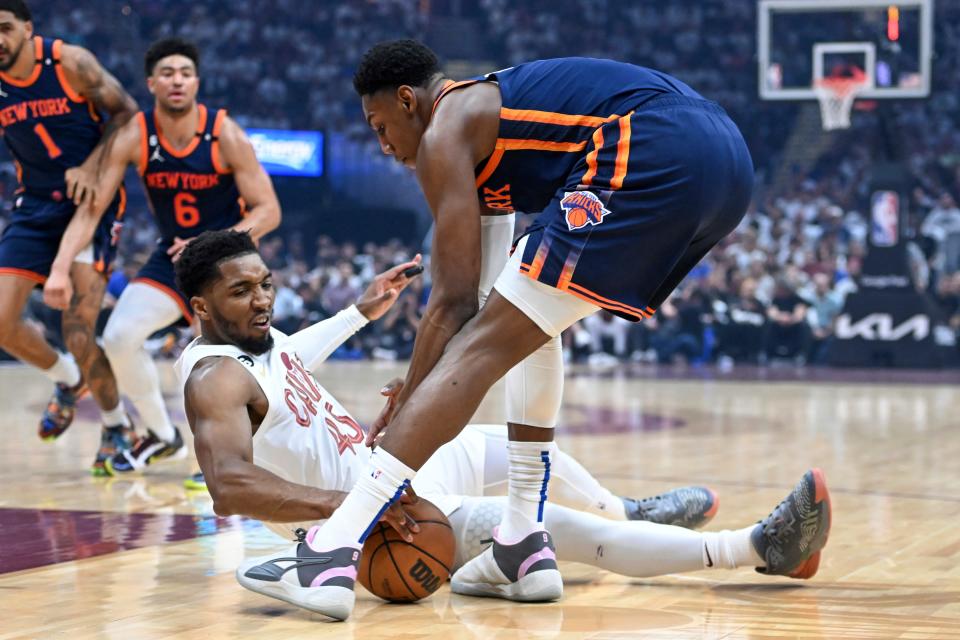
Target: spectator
{"x": 787, "y": 334}
{"x": 342, "y": 291}
{"x": 942, "y": 225}
{"x": 825, "y": 306}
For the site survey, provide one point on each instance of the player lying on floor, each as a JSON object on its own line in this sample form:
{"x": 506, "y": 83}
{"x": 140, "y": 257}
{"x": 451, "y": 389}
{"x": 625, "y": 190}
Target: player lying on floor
{"x": 276, "y": 446}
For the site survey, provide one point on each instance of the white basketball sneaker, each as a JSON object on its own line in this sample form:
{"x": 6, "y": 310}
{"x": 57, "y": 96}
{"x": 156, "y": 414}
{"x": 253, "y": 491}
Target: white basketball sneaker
{"x": 524, "y": 572}
{"x": 320, "y": 581}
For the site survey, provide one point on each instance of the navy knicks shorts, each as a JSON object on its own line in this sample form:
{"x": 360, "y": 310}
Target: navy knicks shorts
{"x": 158, "y": 272}
{"x": 30, "y": 241}
{"x": 656, "y": 191}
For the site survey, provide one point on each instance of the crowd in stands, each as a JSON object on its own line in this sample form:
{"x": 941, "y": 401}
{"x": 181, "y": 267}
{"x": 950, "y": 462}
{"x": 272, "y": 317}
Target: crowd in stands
{"x": 771, "y": 291}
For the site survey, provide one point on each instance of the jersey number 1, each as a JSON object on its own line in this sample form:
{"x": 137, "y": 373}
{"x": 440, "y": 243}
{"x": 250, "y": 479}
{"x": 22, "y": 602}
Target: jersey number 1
{"x": 186, "y": 214}
{"x": 52, "y": 149}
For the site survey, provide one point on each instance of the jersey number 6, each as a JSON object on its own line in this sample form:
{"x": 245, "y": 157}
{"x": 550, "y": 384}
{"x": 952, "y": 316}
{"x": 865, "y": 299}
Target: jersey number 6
{"x": 186, "y": 214}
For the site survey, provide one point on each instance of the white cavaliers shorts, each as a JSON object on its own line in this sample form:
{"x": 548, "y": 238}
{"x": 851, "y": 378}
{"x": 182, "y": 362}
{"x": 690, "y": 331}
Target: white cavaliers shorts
{"x": 550, "y": 308}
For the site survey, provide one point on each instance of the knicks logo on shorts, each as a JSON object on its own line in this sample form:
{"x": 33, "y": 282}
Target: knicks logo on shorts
{"x": 582, "y": 208}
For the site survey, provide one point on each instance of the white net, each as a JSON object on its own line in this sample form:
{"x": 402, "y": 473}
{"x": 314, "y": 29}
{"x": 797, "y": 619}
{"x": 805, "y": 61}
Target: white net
{"x": 836, "y": 96}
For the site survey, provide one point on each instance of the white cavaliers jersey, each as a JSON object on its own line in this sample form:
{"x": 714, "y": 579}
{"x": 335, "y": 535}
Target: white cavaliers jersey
{"x": 306, "y": 437}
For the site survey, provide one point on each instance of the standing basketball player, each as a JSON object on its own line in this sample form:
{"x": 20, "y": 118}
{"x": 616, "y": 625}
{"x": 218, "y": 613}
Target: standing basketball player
{"x": 275, "y": 445}
{"x": 52, "y": 100}
{"x": 200, "y": 172}
{"x": 635, "y": 176}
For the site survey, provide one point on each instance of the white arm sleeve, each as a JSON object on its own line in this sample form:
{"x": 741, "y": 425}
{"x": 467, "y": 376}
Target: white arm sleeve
{"x": 315, "y": 343}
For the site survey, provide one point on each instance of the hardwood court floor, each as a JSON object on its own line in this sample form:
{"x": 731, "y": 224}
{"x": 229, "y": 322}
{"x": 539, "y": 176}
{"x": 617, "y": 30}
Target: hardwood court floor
{"x": 140, "y": 558}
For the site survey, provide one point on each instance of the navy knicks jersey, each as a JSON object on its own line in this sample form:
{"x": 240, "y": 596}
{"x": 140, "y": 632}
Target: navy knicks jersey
{"x": 190, "y": 190}
{"x": 551, "y": 109}
{"x": 47, "y": 125}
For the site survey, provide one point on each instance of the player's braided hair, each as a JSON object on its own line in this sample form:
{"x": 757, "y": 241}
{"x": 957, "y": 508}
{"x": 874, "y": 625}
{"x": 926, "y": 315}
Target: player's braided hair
{"x": 391, "y": 64}
{"x": 170, "y": 47}
{"x": 18, "y": 8}
{"x": 199, "y": 264}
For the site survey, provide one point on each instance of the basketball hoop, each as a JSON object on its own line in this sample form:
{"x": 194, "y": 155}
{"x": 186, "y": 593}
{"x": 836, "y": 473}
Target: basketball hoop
{"x": 836, "y": 96}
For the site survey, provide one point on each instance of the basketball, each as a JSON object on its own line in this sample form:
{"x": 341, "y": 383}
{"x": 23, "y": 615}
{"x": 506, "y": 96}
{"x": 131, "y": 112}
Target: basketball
{"x": 577, "y": 217}
{"x": 401, "y": 571}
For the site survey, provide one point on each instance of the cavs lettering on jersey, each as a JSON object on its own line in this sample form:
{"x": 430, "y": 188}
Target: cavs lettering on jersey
{"x": 306, "y": 436}
{"x": 47, "y": 125}
{"x": 551, "y": 112}
{"x": 190, "y": 191}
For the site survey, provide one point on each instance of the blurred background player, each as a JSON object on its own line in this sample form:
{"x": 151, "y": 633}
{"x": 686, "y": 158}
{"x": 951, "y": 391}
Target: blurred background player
{"x": 200, "y": 172}
{"x": 51, "y": 105}
{"x": 277, "y": 446}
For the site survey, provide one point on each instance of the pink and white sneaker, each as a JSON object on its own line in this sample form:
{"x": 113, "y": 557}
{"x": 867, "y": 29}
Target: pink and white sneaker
{"x": 319, "y": 581}
{"x": 524, "y": 572}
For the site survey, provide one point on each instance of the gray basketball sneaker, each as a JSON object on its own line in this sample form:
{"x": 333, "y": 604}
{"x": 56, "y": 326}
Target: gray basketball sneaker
{"x": 791, "y": 537}
{"x": 525, "y": 572}
{"x": 321, "y": 582}
{"x": 688, "y": 507}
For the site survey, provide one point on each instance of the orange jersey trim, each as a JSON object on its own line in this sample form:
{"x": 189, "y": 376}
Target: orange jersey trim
{"x": 62, "y": 75}
{"x": 215, "y": 155}
{"x": 170, "y": 292}
{"x": 144, "y": 147}
{"x": 623, "y": 154}
{"x": 447, "y": 88}
{"x": 37, "y": 67}
{"x": 122, "y": 206}
{"x": 591, "y": 172}
{"x": 606, "y": 303}
{"x": 490, "y": 167}
{"x": 187, "y": 150}
{"x": 93, "y": 111}
{"x": 551, "y": 117}
{"x": 23, "y": 273}
{"x": 516, "y": 144}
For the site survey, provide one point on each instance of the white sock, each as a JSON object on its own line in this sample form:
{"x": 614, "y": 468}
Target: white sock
{"x": 373, "y": 494}
{"x": 529, "y": 475}
{"x": 64, "y": 370}
{"x": 730, "y": 549}
{"x": 153, "y": 413}
{"x": 570, "y": 484}
{"x": 115, "y": 417}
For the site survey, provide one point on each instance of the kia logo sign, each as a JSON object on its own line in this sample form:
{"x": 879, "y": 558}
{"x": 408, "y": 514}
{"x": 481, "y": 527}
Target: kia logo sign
{"x": 879, "y": 326}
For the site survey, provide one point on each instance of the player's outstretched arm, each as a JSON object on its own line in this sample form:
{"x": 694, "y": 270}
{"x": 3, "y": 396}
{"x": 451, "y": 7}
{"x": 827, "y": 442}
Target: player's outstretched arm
{"x": 58, "y": 290}
{"x": 256, "y": 189}
{"x": 218, "y": 396}
{"x": 87, "y": 77}
{"x": 315, "y": 343}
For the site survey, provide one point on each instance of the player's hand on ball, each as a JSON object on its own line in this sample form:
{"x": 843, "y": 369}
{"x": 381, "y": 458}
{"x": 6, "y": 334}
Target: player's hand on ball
{"x": 81, "y": 185}
{"x": 390, "y": 391}
{"x": 386, "y": 288}
{"x": 58, "y": 291}
{"x": 399, "y": 519}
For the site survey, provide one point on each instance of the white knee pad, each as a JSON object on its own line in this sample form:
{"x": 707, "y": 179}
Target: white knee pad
{"x": 496, "y": 238}
{"x": 535, "y": 387}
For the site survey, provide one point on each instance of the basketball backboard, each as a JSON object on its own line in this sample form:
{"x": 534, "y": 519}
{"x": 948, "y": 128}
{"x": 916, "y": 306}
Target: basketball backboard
{"x": 799, "y": 42}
